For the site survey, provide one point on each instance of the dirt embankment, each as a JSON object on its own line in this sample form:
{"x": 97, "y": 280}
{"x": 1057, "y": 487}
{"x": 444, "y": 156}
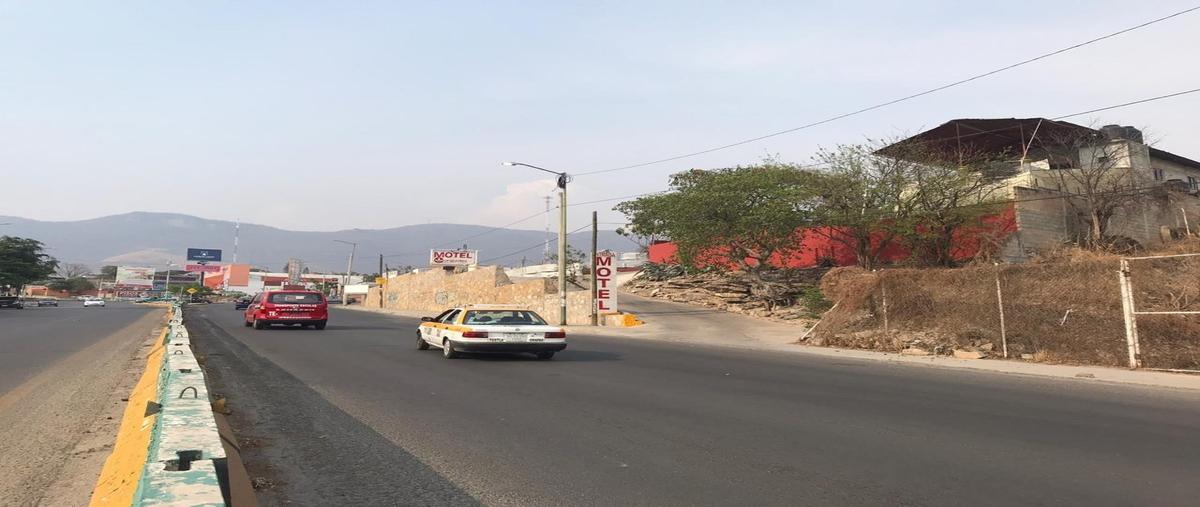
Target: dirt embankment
{"x": 791, "y": 295}
{"x": 1065, "y": 310}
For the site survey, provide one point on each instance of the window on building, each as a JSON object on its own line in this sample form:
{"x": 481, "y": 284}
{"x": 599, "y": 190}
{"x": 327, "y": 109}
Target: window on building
{"x": 1193, "y": 183}
{"x": 1159, "y": 175}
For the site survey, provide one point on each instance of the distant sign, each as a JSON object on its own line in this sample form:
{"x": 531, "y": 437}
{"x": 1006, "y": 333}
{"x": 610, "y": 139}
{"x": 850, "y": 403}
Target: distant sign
{"x": 203, "y": 268}
{"x": 192, "y": 290}
{"x": 606, "y": 272}
{"x": 133, "y": 277}
{"x": 203, "y": 255}
{"x": 453, "y": 257}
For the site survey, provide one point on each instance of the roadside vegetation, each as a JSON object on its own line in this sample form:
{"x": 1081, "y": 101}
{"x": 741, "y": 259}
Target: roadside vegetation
{"x": 737, "y": 231}
{"x": 22, "y": 261}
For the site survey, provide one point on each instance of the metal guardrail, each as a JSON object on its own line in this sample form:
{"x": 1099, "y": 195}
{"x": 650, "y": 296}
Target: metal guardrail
{"x": 185, "y": 449}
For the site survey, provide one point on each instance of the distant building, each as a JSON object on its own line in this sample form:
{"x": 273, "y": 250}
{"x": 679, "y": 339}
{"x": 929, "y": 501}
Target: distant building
{"x": 239, "y": 278}
{"x": 1040, "y": 152}
{"x": 1040, "y": 216}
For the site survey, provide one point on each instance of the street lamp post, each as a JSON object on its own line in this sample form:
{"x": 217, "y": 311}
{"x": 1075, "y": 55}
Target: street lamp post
{"x": 563, "y": 179}
{"x": 167, "y": 287}
{"x": 349, "y": 266}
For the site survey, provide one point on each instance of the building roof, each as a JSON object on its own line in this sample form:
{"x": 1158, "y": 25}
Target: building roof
{"x": 1000, "y": 136}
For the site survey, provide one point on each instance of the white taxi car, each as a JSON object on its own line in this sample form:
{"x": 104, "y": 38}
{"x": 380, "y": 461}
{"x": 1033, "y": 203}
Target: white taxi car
{"x": 93, "y": 302}
{"x": 490, "y": 328}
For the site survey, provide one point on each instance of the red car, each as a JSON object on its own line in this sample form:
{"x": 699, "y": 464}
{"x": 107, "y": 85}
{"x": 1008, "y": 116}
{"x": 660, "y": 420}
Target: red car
{"x": 288, "y": 307}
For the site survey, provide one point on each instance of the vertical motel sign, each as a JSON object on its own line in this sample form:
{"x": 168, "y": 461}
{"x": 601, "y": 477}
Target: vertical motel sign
{"x": 606, "y": 272}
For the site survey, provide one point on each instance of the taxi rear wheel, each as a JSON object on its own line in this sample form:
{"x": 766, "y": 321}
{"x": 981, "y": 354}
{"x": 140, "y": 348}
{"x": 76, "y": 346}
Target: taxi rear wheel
{"x": 421, "y": 343}
{"x": 448, "y": 351}
{"x": 545, "y": 356}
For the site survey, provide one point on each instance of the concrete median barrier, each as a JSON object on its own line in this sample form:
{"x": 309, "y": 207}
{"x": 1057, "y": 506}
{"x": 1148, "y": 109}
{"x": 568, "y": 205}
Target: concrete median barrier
{"x": 168, "y": 450}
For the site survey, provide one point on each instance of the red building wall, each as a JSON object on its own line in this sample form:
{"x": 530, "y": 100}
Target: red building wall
{"x": 817, "y": 245}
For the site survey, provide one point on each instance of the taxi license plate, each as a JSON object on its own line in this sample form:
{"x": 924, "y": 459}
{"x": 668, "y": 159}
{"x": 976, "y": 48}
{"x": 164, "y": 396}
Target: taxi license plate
{"x": 523, "y": 337}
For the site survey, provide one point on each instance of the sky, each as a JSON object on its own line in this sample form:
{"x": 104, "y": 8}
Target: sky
{"x": 337, "y": 115}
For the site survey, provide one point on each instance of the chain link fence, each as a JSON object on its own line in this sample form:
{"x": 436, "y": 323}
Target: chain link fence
{"x": 1068, "y": 312}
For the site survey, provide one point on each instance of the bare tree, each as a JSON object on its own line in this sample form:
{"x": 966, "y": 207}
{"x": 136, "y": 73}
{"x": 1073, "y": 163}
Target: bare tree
{"x": 73, "y": 270}
{"x": 862, "y": 198}
{"x": 1097, "y": 172}
{"x": 949, "y": 194}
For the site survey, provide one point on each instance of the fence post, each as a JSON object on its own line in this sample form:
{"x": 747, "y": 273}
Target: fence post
{"x": 883, "y": 289}
{"x": 1000, "y": 304}
{"x": 1186, "y": 227}
{"x": 1131, "y": 338}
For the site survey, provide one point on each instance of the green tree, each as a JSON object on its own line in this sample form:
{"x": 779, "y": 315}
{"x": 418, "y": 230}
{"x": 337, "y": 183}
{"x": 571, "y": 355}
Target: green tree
{"x": 743, "y": 216}
{"x": 948, "y": 196}
{"x": 23, "y": 260}
{"x": 72, "y": 285}
{"x": 862, "y": 199}
{"x": 108, "y": 272}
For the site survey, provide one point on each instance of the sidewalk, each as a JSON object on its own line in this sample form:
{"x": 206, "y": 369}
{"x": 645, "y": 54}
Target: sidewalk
{"x": 678, "y": 322}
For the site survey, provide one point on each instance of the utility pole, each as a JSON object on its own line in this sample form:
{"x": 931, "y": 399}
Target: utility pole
{"x": 595, "y": 311}
{"x": 167, "y": 287}
{"x": 562, "y": 250}
{"x": 381, "y": 272}
{"x": 349, "y": 266}
{"x": 546, "y": 248}
{"x": 237, "y": 229}
{"x": 563, "y": 179}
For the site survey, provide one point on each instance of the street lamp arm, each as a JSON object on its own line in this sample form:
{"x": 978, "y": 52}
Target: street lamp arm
{"x": 531, "y": 166}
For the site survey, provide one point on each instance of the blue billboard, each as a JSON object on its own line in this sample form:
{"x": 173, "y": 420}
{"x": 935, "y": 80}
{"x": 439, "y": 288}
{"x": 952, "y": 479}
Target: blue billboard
{"x": 203, "y": 255}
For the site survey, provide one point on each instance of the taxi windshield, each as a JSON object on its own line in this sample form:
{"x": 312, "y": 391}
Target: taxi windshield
{"x": 503, "y": 318}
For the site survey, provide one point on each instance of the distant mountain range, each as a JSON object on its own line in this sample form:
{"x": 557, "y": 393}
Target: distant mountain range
{"x": 153, "y": 239}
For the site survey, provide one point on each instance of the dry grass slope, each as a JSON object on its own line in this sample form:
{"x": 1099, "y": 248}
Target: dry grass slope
{"x": 1062, "y": 308}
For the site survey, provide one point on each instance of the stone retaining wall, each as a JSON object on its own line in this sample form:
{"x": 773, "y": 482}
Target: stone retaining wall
{"x": 435, "y": 290}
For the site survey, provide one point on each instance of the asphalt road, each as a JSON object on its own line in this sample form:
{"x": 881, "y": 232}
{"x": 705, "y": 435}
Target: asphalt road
{"x": 355, "y": 415}
{"x": 64, "y": 373}
{"x": 34, "y": 338}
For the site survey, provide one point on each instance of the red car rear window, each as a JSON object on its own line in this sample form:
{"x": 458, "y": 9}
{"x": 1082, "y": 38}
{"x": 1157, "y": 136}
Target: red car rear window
{"x": 296, "y": 298}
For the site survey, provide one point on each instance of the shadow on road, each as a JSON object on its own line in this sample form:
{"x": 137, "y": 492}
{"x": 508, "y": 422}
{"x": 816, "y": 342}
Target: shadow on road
{"x": 570, "y": 356}
{"x": 704, "y": 311}
{"x": 332, "y": 327}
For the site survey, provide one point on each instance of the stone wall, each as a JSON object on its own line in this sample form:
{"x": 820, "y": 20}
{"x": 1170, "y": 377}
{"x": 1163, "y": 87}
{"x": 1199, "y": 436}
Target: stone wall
{"x": 1045, "y": 220}
{"x": 435, "y": 290}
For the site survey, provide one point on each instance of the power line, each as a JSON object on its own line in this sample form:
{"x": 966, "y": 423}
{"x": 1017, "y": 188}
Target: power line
{"x": 898, "y": 100}
{"x": 633, "y": 196}
{"x": 1054, "y": 119}
{"x": 983, "y": 132}
{"x": 1142, "y": 101}
{"x": 538, "y": 245}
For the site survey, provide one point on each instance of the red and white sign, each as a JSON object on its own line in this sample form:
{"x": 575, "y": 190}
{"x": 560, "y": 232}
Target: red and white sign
{"x": 606, "y": 283}
{"x": 205, "y": 268}
{"x": 453, "y": 257}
